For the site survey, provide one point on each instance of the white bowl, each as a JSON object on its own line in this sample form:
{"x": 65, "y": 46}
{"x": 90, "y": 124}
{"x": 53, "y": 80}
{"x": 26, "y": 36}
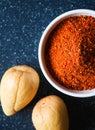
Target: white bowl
{"x": 51, "y": 80}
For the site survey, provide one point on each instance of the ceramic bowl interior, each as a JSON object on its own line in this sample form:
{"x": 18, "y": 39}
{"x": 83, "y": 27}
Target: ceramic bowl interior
{"x": 42, "y": 44}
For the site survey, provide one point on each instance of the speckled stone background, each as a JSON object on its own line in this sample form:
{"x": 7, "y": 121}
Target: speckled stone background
{"x": 22, "y": 23}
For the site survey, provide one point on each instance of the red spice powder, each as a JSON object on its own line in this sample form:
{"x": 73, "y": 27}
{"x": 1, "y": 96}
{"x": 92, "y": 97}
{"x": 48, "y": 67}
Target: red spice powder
{"x": 70, "y": 53}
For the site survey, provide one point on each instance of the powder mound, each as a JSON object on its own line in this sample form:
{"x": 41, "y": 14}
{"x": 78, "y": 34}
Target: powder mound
{"x": 70, "y": 53}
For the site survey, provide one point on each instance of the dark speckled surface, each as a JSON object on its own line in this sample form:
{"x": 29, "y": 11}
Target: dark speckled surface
{"x": 22, "y": 23}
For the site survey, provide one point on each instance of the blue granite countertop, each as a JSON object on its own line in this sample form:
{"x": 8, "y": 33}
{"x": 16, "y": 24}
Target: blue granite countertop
{"x": 22, "y": 23}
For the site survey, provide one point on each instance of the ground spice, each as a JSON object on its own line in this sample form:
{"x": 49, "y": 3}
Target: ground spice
{"x": 70, "y": 53}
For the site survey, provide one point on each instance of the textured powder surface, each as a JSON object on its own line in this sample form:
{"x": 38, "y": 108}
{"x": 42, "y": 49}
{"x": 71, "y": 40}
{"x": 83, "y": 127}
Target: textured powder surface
{"x": 70, "y": 53}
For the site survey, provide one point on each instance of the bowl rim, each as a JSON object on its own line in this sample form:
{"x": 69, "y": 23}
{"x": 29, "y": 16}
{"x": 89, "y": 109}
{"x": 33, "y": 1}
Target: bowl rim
{"x": 49, "y": 28}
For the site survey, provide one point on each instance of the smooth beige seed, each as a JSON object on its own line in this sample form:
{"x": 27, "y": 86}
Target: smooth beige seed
{"x": 19, "y": 85}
